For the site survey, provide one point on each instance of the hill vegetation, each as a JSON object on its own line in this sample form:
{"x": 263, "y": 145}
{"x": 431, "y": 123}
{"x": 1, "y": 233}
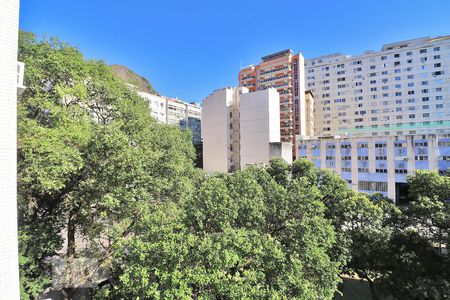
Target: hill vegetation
{"x": 131, "y": 77}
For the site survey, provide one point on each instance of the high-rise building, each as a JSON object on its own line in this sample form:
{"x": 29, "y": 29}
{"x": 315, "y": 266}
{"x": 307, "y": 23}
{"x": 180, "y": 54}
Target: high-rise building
{"x": 283, "y": 71}
{"x": 381, "y": 115}
{"x": 11, "y": 82}
{"x": 402, "y": 89}
{"x": 241, "y": 129}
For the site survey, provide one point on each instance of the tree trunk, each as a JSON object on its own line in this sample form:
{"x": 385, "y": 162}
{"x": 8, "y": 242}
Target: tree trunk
{"x": 372, "y": 288}
{"x": 70, "y": 254}
{"x": 71, "y": 234}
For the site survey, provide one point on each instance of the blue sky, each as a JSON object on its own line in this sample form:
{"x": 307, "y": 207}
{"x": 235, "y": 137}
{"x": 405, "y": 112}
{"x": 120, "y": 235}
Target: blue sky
{"x": 189, "y": 48}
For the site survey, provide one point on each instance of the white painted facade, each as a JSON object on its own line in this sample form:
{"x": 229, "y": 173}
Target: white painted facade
{"x": 217, "y": 129}
{"x": 10, "y": 82}
{"x": 259, "y": 126}
{"x": 402, "y": 89}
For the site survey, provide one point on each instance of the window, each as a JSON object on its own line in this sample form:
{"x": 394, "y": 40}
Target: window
{"x": 384, "y": 57}
{"x": 423, "y": 51}
{"x": 363, "y": 145}
{"x": 421, "y": 157}
{"x": 379, "y": 186}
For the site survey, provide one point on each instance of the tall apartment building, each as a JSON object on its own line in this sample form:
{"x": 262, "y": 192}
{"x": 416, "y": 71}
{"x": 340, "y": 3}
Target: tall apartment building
{"x": 283, "y": 71}
{"x": 176, "y": 112}
{"x": 402, "y": 89}
{"x": 241, "y": 129}
{"x": 11, "y": 82}
{"x": 381, "y": 115}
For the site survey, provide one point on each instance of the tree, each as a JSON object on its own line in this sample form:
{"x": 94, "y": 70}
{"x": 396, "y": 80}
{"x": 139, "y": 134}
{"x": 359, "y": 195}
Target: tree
{"x": 231, "y": 240}
{"x": 91, "y": 159}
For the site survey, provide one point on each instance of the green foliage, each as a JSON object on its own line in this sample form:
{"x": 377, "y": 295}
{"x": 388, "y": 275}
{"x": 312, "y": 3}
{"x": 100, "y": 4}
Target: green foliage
{"x": 91, "y": 159}
{"x": 230, "y": 240}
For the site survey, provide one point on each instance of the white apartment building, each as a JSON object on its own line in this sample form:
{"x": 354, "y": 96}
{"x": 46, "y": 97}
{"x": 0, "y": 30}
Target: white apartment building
{"x": 241, "y": 129}
{"x": 402, "y": 89}
{"x": 379, "y": 164}
{"x": 157, "y": 106}
{"x": 11, "y": 82}
{"x": 176, "y": 112}
{"x": 185, "y": 115}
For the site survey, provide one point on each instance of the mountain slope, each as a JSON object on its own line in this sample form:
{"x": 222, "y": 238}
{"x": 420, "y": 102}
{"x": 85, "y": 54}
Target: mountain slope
{"x": 132, "y": 78}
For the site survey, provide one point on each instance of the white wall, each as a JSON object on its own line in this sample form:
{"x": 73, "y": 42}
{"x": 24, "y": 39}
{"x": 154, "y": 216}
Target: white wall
{"x": 216, "y": 130}
{"x": 259, "y": 125}
{"x": 9, "y": 270}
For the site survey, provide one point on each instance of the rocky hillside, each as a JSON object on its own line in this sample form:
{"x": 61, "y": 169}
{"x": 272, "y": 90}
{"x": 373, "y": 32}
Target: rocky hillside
{"x": 132, "y": 78}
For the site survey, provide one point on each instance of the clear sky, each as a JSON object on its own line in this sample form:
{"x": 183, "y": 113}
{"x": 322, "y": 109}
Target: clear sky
{"x": 189, "y": 48}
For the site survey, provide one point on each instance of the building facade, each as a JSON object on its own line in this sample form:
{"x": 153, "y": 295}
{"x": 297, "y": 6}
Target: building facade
{"x": 185, "y": 115}
{"x": 402, "y": 89}
{"x": 380, "y": 116}
{"x": 176, "y": 112}
{"x": 283, "y": 71}
{"x": 379, "y": 164}
{"x": 241, "y": 129}
{"x": 11, "y": 82}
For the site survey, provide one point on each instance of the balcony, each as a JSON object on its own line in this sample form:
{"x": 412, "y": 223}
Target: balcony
{"x": 20, "y": 74}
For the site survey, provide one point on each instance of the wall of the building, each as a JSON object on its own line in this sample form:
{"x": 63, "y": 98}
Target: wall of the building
{"x": 216, "y": 131}
{"x": 402, "y": 89}
{"x": 309, "y": 111}
{"x": 259, "y": 126}
{"x": 377, "y": 164}
{"x": 9, "y": 266}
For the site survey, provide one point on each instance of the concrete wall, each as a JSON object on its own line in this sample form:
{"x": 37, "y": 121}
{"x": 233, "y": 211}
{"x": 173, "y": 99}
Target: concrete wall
{"x": 259, "y": 125}
{"x": 9, "y": 270}
{"x": 282, "y": 149}
{"x": 216, "y": 131}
